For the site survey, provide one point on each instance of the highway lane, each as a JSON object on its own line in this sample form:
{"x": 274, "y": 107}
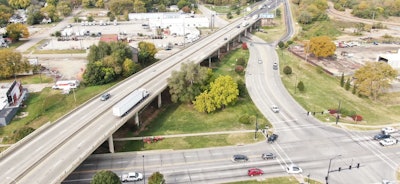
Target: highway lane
{"x": 90, "y": 124}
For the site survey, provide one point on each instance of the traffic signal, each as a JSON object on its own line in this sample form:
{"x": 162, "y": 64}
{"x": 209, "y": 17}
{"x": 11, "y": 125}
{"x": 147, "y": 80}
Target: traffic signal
{"x": 358, "y": 165}
{"x": 340, "y": 169}
{"x": 349, "y": 166}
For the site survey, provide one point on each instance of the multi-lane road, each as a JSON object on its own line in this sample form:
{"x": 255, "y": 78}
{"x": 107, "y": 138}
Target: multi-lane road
{"x": 302, "y": 140}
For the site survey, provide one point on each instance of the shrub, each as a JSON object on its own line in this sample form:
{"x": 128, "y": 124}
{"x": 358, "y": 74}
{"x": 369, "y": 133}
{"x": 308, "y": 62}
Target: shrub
{"x": 357, "y": 117}
{"x": 287, "y": 70}
{"x": 239, "y": 69}
{"x": 242, "y": 88}
{"x": 347, "y": 85}
{"x": 229, "y": 15}
{"x": 244, "y": 46}
{"x": 241, "y": 61}
{"x": 342, "y": 80}
{"x": 300, "y": 86}
{"x": 244, "y": 119}
{"x": 332, "y": 111}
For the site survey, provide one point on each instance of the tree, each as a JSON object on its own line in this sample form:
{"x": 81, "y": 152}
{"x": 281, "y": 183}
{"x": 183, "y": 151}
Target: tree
{"x": 19, "y": 4}
{"x": 224, "y": 91}
{"x": 229, "y": 15}
{"x": 321, "y": 46}
{"x": 156, "y": 178}
{"x": 139, "y": 6}
{"x": 281, "y": 44}
{"x": 204, "y": 103}
{"x": 186, "y": 84}
{"x": 34, "y": 16}
{"x": 129, "y": 67}
{"x": 347, "y": 85}
{"x": 16, "y": 31}
{"x": 11, "y": 62}
{"x": 300, "y": 86}
{"x": 96, "y": 74}
{"x": 147, "y": 51}
{"x": 287, "y": 70}
{"x": 50, "y": 11}
{"x": 5, "y": 14}
{"x": 64, "y": 7}
{"x": 373, "y": 78}
{"x": 105, "y": 177}
{"x": 342, "y": 80}
{"x": 99, "y": 4}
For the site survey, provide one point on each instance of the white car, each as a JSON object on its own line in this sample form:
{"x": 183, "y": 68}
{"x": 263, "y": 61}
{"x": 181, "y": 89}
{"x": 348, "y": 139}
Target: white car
{"x": 388, "y": 130}
{"x": 388, "y": 142}
{"x": 275, "y": 108}
{"x": 293, "y": 169}
{"x": 132, "y": 176}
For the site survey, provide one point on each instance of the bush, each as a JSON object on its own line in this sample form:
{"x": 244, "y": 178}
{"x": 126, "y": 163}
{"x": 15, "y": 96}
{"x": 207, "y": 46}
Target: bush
{"x": 332, "y": 111}
{"x": 287, "y": 70}
{"x": 239, "y": 69}
{"x": 229, "y": 15}
{"x": 241, "y": 61}
{"x": 245, "y": 119}
{"x": 242, "y": 88}
{"x": 244, "y": 46}
{"x": 347, "y": 85}
{"x": 357, "y": 117}
{"x": 300, "y": 86}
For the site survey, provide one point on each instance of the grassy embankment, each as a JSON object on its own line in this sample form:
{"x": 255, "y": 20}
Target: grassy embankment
{"x": 183, "y": 119}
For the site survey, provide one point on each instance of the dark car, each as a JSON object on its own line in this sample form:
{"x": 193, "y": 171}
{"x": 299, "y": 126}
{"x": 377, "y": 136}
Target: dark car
{"x": 267, "y": 156}
{"x": 381, "y": 136}
{"x": 105, "y": 96}
{"x": 275, "y": 66}
{"x": 255, "y": 172}
{"x": 272, "y": 138}
{"x": 239, "y": 158}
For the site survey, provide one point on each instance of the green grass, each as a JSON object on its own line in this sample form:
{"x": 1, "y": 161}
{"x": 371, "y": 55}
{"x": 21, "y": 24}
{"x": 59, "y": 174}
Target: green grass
{"x": 277, "y": 180}
{"x": 30, "y": 79}
{"x": 33, "y": 48}
{"x": 323, "y": 92}
{"x": 272, "y": 33}
{"x": 17, "y": 44}
{"x": 192, "y": 142}
{"x": 49, "y": 105}
{"x": 66, "y": 51}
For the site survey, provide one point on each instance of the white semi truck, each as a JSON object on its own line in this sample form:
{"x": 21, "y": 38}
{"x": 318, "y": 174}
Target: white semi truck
{"x": 126, "y": 104}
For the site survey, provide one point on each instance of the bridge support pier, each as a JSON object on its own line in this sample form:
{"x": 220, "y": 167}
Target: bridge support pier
{"x": 209, "y": 62}
{"x": 239, "y": 37}
{"x": 137, "y": 119}
{"x": 219, "y": 54}
{"x": 245, "y": 32}
{"x": 159, "y": 100}
{"x": 111, "y": 144}
{"x": 227, "y": 47}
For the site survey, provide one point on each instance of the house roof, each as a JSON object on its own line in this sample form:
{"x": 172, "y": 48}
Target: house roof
{"x": 109, "y": 38}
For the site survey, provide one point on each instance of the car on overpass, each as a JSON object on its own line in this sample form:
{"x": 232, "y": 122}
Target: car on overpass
{"x": 255, "y": 172}
{"x": 293, "y": 169}
{"x": 239, "y": 158}
{"x": 267, "y": 156}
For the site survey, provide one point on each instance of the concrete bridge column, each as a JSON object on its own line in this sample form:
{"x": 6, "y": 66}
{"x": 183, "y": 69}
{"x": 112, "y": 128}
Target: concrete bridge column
{"x": 137, "y": 118}
{"x": 159, "y": 100}
{"x": 245, "y": 32}
{"x": 251, "y": 28}
{"x": 219, "y": 53}
{"x": 111, "y": 144}
{"x": 239, "y": 37}
{"x": 227, "y": 47}
{"x": 209, "y": 61}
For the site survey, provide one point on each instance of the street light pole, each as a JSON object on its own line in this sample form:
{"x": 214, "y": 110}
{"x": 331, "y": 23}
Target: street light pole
{"x": 329, "y": 167}
{"x": 144, "y": 177}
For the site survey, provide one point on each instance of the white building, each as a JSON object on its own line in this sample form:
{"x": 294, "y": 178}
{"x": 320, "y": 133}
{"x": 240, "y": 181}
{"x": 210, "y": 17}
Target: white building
{"x": 392, "y": 59}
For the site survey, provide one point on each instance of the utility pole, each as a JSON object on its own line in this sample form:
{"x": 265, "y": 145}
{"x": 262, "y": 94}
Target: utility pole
{"x": 329, "y": 167}
{"x": 255, "y": 132}
{"x": 338, "y": 114}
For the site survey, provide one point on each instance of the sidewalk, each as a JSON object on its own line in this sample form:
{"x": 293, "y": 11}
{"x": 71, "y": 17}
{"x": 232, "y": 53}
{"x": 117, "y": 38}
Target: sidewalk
{"x": 185, "y": 135}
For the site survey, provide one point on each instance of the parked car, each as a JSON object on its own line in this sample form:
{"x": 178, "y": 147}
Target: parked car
{"x": 381, "y": 136}
{"x": 275, "y": 108}
{"x": 255, "y": 172}
{"x": 267, "y": 156}
{"x": 388, "y": 130}
{"x": 293, "y": 169}
{"x": 239, "y": 158}
{"x": 388, "y": 142}
{"x": 272, "y": 138}
{"x": 132, "y": 176}
{"x": 275, "y": 66}
{"x": 105, "y": 96}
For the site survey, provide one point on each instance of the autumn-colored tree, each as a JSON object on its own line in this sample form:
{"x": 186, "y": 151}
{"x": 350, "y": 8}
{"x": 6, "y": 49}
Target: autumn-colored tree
{"x": 186, "y": 9}
{"x": 373, "y": 78}
{"x": 186, "y": 84}
{"x": 5, "y": 14}
{"x": 129, "y": 67}
{"x": 19, "y": 4}
{"x": 140, "y": 6}
{"x": 16, "y": 31}
{"x": 223, "y": 91}
{"x": 99, "y": 4}
{"x": 50, "y": 11}
{"x": 64, "y": 8}
{"x": 321, "y": 46}
{"x": 147, "y": 51}
{"x": 11, "y": 62}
